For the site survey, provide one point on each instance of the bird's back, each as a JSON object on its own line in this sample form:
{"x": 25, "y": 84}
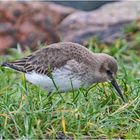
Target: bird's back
{"x": 51, "y": 57}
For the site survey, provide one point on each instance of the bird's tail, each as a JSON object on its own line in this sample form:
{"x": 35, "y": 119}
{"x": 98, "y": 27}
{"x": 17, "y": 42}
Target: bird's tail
{"x": 14, "y": 66}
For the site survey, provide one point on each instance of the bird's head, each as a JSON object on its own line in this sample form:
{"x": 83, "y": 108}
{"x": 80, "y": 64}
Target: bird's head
{"x": 108, "y": 70}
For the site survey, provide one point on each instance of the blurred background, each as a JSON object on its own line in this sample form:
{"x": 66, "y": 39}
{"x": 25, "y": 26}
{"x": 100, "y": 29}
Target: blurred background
{"x": 111, "y": 27}
{"x": 83, "y": 5}
{"x": 30, "y": 23}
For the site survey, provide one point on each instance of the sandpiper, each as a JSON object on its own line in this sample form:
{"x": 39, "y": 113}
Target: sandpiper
{"x": 68, "y": 66}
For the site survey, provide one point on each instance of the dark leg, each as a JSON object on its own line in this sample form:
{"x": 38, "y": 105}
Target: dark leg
{"x": 49, "y": 94}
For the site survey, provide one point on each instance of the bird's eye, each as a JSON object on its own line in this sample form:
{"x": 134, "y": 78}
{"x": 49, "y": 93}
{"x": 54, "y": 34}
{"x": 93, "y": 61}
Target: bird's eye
{"x": 109, "y": 72}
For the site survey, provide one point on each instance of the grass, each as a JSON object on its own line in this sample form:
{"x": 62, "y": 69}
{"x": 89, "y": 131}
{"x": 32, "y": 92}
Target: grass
{"x": 27, "y": 112}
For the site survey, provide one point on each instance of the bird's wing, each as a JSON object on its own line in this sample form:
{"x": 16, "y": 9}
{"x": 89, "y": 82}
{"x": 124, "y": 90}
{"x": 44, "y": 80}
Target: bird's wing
{"x": 42, "y": 61}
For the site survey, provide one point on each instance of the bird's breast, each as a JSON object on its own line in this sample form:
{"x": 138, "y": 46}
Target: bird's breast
{"x": 71, "y": 76}
{"x": 64, "y": 79}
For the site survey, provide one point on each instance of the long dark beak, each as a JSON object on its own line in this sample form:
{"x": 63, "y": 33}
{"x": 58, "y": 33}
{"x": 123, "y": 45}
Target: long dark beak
{"x": 114, "y": 83}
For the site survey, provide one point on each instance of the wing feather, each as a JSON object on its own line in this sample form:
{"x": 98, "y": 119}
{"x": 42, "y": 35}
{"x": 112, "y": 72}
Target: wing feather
{"x": 53, "y": 56}
{"x": 41, "y": 61}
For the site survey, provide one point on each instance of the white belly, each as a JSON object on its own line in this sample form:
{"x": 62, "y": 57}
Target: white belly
{"x": 63, "y": 78}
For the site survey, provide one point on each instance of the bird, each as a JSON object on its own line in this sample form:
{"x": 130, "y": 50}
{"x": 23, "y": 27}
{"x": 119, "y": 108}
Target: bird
{"x": 65, "y": 66}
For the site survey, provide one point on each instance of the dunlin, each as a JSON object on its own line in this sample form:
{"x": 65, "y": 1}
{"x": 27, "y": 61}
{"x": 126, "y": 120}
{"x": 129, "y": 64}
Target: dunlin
{"x": 68, "y": 66}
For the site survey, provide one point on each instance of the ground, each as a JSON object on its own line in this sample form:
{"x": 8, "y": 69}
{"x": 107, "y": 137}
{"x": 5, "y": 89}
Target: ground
{"x": 27, "y": 112}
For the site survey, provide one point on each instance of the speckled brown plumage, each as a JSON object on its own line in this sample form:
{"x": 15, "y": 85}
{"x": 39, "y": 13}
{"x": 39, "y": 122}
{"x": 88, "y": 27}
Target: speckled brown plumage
{"x": 53, "y": 56}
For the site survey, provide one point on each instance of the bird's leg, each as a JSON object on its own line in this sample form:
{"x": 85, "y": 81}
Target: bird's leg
{"x": 49, "y": 94}
{"x": 88, "y": 90}
{"x": 50, "y": 98}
